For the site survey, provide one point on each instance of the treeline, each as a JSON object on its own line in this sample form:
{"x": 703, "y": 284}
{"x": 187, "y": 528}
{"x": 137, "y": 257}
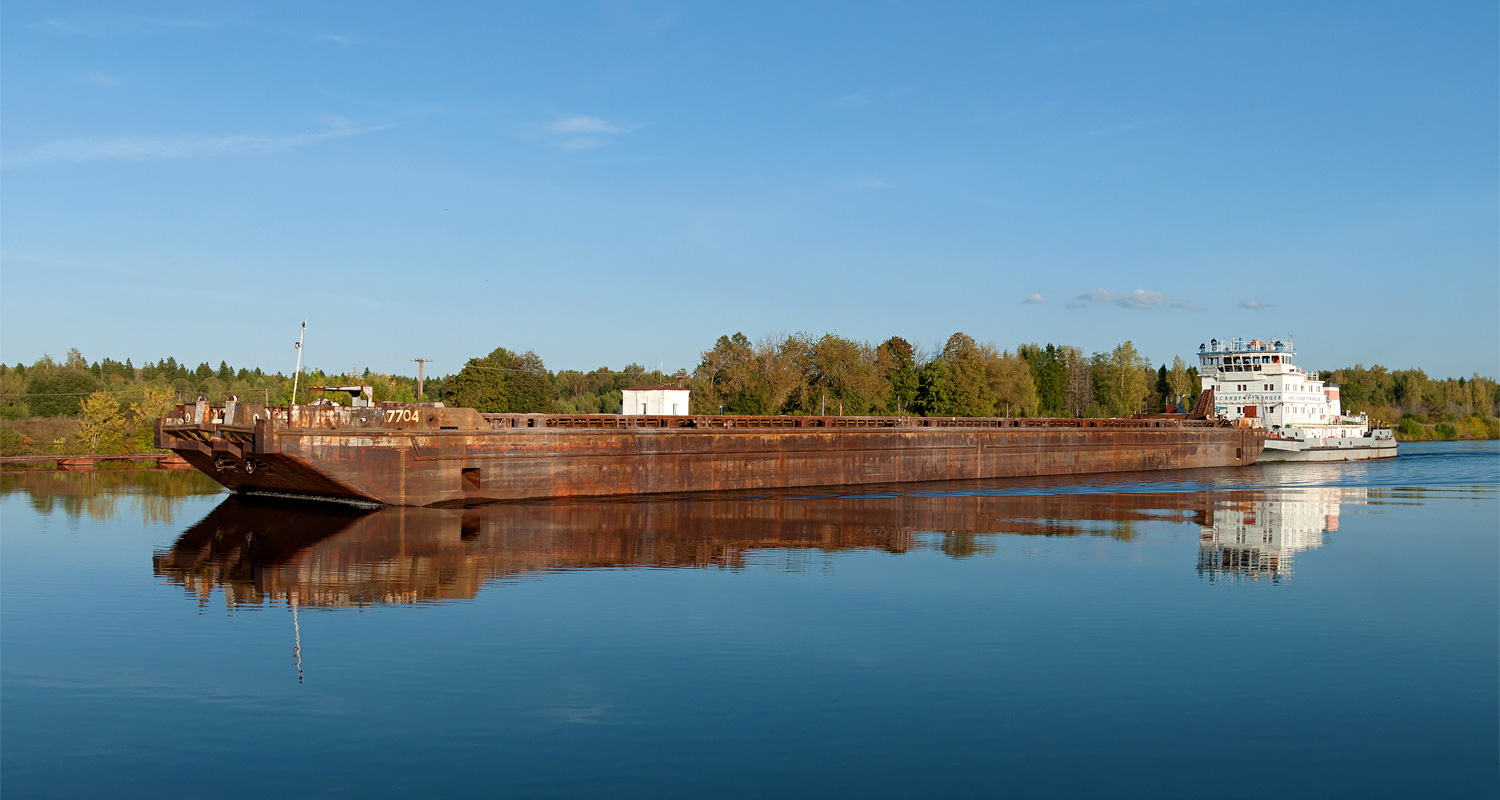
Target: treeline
{"x": 829, "y": 374}
{"x": 48, "y": 388}
{"x": 509, "y": 382}
{"x": 802, "y": 374}
{"x": 107, "y": 406}
{"x": 1420, "y": 407}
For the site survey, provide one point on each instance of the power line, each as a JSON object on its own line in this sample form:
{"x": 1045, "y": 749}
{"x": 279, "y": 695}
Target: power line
{"x": 421, "y": 362}
{"x": 641, "y": 371}
{"x": 141, "y": 390}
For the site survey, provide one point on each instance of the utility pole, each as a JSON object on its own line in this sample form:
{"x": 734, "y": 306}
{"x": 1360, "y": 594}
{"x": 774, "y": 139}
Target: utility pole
{"x": 298, "y": 373}
{"x": 420, "y": 363}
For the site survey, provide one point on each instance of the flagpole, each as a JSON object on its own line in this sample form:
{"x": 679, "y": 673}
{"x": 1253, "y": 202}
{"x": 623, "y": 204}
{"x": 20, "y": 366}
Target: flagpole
{"x": 298, "y": 373}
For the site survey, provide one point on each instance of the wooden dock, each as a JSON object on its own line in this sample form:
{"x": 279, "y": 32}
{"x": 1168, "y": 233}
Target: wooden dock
{"x": 91, "y": 461}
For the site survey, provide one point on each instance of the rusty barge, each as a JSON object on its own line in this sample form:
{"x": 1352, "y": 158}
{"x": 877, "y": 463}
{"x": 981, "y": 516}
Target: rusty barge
{"x": 410, "y": 454}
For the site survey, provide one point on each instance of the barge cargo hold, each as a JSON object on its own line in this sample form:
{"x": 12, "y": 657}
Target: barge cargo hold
{"x": 423, "y": 455}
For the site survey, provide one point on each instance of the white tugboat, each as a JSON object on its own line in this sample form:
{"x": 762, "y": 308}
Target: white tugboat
{"x": 1256, "y": 381}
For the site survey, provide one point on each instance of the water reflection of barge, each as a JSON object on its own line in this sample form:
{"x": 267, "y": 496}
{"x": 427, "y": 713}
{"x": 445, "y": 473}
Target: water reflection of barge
{"x": 257, "y": 550}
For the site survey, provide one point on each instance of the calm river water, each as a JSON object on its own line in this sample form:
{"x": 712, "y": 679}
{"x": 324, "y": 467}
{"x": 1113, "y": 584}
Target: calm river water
{"x": 1289, "y": 630}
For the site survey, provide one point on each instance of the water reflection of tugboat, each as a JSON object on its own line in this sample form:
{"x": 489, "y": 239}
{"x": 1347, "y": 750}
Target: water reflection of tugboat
{"x": 1256, "y": 538}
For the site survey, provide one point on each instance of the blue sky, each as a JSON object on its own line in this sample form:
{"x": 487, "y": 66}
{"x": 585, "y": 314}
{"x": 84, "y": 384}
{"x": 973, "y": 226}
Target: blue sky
{"x": 613, "y": 182}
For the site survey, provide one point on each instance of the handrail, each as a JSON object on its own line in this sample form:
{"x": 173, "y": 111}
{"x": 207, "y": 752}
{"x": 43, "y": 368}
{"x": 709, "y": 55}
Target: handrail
{"x": 375, "y": 418}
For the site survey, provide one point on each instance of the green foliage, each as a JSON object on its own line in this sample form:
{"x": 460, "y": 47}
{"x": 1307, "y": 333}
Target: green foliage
{"x": 1010, "y": 382}
{"x": 13, "y": 442}
{"x": 59, "y": 391}
{"x": 101, "y": 424}
{"x": 1387, "y": 395}
{"x": 777, "y": 374}
{"x": 840, "y": 376}
{"x": 13, "y": 399}
{"x": 1182, "y": 384}
{"x": 155, "y": 402}
{"x": 898, "y": 365}
{"x": 1158, "y": 400}
{"x": 1122, "y": 380}
{"x": 504, "y": 382}
{"x": 971, "y": 392}
{"x": 1049, "y": 376}
{"x": 731, "y": 378}
{"x": 599, "y": 391}
{"x": 1078, "y": 394}
{"x": 935, "y": 392}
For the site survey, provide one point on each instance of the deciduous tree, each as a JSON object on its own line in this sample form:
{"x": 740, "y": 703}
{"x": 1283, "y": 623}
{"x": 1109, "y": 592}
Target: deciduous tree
{"x": 728, "y": 379}
{"x": 935, "y": 390}
{"x": 1181, "y": 383}
{"x": 1011, "y": 382}
{"x": 1120, "y": 380}
{"x": 898, "y": 364}
{"x": 1049, "y": 374}
{"x": 101, "y": 425}
{"x": 846, "y": 373}
{"x": 58, "y": 391}
{"x": 972, "y": 395}
{"x": 1079, "y": 395}
{"x": 504, "y": 382}
{"x": 154, "y": 403}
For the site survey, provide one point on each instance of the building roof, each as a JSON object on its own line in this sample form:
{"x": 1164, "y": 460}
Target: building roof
{"x": 672, "y": 387}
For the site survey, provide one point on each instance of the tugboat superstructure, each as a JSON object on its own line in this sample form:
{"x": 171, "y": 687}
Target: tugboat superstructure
{"x": 1256, "y": 380}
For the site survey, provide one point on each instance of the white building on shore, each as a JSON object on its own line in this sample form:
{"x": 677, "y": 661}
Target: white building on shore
{"x": 662, "y": 399}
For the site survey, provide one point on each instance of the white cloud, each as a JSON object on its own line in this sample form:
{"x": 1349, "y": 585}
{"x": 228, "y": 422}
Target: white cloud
{"x": 1136, "y": 298}
{"x": 585, "y": 125}
{"x": 1255, "y": 304}
{"x": 1035, "y": 299}
{"x": 155, "y": 148}
{"x": 579, "y": 132}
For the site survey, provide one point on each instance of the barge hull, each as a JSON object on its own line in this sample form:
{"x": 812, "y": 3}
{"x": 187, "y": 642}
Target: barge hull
{"x": 487, "y": 458}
